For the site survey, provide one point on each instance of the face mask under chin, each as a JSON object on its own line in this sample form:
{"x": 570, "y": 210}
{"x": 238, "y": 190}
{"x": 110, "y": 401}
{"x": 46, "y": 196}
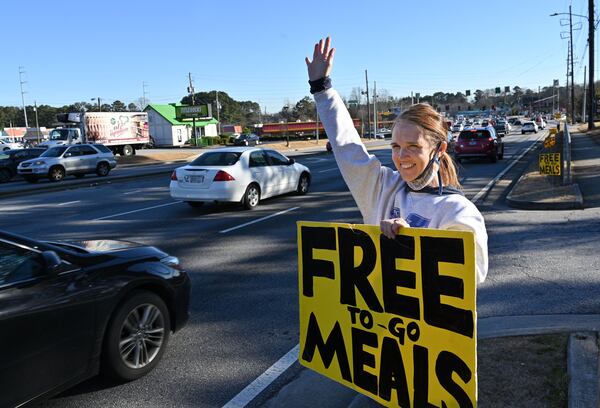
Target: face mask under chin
{"x": 426, "y": 177}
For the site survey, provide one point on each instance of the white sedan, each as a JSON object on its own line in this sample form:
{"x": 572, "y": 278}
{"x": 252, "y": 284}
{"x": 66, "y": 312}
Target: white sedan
{"x": 238, "y": 174}
{"x": 6, "y": 145}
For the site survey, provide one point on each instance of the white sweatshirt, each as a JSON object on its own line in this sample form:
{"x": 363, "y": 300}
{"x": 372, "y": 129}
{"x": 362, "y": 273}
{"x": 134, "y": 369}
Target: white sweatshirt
{"x": 380, "y": 192}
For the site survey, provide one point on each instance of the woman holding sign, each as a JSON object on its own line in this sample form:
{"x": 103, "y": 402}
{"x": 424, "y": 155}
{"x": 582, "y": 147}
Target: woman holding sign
{"x": 423, "y": 192}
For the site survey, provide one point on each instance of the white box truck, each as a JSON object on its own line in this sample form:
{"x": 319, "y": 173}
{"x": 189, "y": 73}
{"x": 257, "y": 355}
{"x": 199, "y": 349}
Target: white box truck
{"x": 121, "y": 132}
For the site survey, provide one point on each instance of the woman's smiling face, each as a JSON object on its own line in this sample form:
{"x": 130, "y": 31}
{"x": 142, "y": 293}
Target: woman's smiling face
{"x": 411, "y": 151}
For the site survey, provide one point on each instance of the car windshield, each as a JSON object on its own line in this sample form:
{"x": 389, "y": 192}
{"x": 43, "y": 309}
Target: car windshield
{"x": 59, "y": 134}
{"x": 472, "y": 135}
{"x": 217, "y": 159}
{"x": 54, "y": 151}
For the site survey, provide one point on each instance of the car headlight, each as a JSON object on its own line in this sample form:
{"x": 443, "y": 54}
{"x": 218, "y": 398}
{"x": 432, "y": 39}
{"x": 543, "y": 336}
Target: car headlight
{"x": 39, "y": 163}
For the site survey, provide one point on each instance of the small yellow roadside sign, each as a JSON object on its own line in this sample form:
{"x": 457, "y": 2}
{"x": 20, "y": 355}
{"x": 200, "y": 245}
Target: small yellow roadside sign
{"x": 392, "y": 319}
{"x": 549, "y": 142}
{"x": 553, "y": 131}
{"x": 550, "y": 164}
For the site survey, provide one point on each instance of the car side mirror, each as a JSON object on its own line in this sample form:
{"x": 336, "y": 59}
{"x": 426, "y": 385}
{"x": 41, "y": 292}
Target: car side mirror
{"x": 52, "y": 261}
{"x": 291, "y": 161}
{"x": 68, "y": 154}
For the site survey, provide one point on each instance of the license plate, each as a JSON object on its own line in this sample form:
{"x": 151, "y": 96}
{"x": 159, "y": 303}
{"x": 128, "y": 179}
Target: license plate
{"x": 193, "y": 179}
{"x": 472, "y": 143}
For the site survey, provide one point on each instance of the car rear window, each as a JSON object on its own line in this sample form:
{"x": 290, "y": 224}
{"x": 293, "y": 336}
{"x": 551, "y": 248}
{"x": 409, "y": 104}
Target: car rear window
{"x": 476, "y": 134}
{"x": 217, "y": 159}
{"x": 102, "y": 148}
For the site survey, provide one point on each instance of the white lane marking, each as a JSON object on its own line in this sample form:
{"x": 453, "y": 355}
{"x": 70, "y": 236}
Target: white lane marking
{"x": 257, "y": 386}
{"x": 323, "y": 171}
{"x": 489, "y": 185}
{"x": 258, "y": 220}
{"x": 132, "y": 192}
{"x": 134, "y": 211}
{"x": 70, "y": 202}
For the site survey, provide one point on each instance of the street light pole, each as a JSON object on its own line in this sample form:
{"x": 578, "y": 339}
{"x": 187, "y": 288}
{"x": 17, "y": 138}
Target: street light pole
{"x": 591, "y": 108}
{"x": 572, "y": 78}
{"x": 591, "y": 92}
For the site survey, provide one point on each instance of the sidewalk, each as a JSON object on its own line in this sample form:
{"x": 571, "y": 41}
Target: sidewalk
{"x": 310, "y": 389}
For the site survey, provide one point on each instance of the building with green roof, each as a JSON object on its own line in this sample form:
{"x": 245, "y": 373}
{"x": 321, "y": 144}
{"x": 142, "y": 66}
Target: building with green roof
{"x": 168, "y": 130}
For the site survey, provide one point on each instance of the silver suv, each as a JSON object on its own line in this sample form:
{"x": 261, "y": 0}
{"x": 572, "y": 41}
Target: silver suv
{"x": 60, "y": 161}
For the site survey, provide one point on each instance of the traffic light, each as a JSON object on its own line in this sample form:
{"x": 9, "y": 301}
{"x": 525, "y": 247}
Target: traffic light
{"x": 497, "y": 89}
{"x": 468, "y": 92}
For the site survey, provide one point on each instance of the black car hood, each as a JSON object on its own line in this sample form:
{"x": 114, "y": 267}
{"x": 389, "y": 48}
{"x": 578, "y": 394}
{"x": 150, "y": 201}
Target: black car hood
{"x": 106, "y": 248}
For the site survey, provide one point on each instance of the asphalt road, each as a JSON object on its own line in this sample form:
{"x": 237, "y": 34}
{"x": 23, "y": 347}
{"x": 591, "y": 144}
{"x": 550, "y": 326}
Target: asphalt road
{"x": 244, "y": 299}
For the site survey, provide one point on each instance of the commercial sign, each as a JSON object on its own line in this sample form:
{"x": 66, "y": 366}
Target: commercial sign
{"x": 550, "y": 164}
{"x": 193, "y": 112}
{"x": 392, "y": 319}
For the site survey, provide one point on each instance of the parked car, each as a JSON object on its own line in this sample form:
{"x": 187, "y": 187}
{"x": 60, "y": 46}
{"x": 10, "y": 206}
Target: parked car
{"x": 6, "y": 145}
{"x": 529, "y": 126}
{"x": 72, "y": 310}
{"x": 60, "y": 161}
{"x": 479, "y": 142}
{"x": 247, "y": 139}
{"x": 10, "y": 159}
{"x": 238, "y": 174}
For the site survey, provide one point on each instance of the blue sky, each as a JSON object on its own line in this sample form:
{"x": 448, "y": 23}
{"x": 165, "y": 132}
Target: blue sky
{"x": 254, "y": 50}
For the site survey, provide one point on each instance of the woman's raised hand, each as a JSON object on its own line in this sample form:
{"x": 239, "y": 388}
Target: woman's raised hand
{"x": 322, "y": 61}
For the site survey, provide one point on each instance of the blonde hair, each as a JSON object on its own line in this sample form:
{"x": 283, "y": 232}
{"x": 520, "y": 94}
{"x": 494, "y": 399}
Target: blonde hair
{"x": 433, "y": 127}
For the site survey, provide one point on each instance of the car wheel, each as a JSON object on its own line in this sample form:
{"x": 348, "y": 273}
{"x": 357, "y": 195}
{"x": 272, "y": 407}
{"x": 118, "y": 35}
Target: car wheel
{"x": 251, "y": 197}
{"x": 501, "y": 155}
{"x": 195, "y": 204}
{"x": 102, "y": 169}
{"x": 80, "y": 175}
{"x": 56, "y": 173}
{"x": 522, "y": 132}
{"x": 30, "y": 179}
{"x": 494, "y": 156}
{"x": 5, "y": 175}
{"x": 128, "y": 150}
{"x": 136, "y": 337}
{"x": 303, "y": 184}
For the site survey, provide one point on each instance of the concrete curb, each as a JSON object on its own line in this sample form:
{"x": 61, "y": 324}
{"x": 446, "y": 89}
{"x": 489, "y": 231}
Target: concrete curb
{"x": 573, "y": 204}
{"x": 582, "y": 368}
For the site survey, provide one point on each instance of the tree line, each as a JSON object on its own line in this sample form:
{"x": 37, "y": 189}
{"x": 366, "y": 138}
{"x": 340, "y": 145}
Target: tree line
{"x": 248, "y": 113}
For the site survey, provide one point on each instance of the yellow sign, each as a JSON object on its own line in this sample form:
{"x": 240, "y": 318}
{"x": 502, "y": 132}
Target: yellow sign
{"x": 392, "y": 319}
{"x": 553, "y": 131}
{"x": 550, "y": 164}
{"x": 550, "y": 141}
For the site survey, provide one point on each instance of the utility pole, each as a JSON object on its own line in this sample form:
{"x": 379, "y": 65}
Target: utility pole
{"x": 375, "y": 109}
{"x": 218, "y": 107}
{"x": 368, "y": 105}
{"x": 192, "y": 93}
{"x": 144, "y": 84}
{"x": 317, "y": 125}
{"x": 21, "y": 72}
{"x": 572, "y": 80}
{"x": 37, "y": 125}
{"x": 591, "y": 90}
{"x": 584, "y": 95}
